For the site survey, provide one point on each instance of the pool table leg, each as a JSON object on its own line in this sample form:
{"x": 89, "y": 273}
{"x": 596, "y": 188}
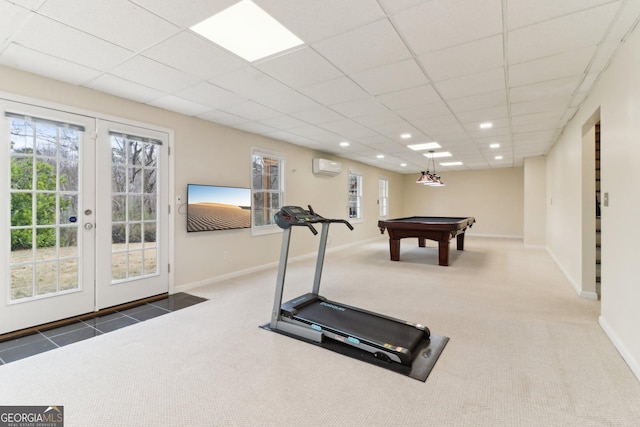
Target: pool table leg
{"x": 460, "y": 242}
{"x": 394, "y": 249}
{"x": 443, "y": 253}
{"x": 422, "y": 242}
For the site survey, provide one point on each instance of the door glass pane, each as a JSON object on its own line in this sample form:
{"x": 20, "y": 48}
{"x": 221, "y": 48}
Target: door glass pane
{"x": 44, "y": 196}
{"x": 134, "y": 204}
{"x": 21, "y": 281}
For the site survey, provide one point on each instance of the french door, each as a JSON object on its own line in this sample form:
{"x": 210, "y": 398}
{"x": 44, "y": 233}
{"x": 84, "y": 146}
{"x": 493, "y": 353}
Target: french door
{"x": 79, "y": 214}
{"x": 132, "y": 232}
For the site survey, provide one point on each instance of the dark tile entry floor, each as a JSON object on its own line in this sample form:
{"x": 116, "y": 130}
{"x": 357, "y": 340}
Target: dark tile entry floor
{"x": 45, "y": 340}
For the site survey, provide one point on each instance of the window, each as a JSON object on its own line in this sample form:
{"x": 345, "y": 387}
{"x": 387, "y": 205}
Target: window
{"x": 267, "y": 189}
{"x": 383, "y": 197}
{"x": 355, "y": 195}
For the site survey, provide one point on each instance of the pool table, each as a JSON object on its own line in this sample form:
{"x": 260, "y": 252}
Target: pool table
{"x": 440, "y": 229}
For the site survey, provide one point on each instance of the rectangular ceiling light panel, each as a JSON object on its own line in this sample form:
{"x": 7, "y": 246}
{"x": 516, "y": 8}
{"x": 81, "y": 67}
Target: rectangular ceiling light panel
{"x": 247, "y": 31}
{"x": 424, "y": 146}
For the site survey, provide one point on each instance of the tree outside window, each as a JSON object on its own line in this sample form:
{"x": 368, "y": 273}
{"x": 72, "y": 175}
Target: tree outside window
{"x": 383, "y": 197}
{"x": 267, "y": 188}
{"x": 355, "y": 195}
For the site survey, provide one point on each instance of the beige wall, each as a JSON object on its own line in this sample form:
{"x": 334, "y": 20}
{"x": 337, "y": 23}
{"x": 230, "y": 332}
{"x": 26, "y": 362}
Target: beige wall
{"x": 535, "y": 201}
{"x": 493, "y": 196}
{"x": 207, "y": 153}
{"x": 616, "y": 96}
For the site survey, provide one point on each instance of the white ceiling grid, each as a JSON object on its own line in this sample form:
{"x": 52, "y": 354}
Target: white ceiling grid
{"x": 369, "y": 70}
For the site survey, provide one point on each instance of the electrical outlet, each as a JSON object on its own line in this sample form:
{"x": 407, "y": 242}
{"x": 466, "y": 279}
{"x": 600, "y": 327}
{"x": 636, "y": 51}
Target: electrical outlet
{"x": 225, "y": 255}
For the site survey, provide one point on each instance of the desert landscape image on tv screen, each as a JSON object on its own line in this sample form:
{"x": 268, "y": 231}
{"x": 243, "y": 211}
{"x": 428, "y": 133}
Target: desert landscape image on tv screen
{"x": 217, "y": 208}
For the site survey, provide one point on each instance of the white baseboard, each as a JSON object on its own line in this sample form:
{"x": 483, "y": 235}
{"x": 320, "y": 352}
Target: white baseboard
{"x": 495, "y": 236}
{"x": 573, "y": 283}
{"x": 592, "y": 295}
{"x": 217, "y": 279}
{"x": 634, "y": 365}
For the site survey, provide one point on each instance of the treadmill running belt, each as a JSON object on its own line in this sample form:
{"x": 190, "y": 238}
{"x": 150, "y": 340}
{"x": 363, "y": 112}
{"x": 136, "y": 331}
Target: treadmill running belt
{"x": 360, "y": 324}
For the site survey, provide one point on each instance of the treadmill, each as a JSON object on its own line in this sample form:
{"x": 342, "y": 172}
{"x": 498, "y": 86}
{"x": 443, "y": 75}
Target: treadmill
{"x": 316, "y": 318}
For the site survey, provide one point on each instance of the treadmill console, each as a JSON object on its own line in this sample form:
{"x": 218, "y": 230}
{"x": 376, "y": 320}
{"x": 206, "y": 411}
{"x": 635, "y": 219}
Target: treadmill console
{"x": 295, "y": 215}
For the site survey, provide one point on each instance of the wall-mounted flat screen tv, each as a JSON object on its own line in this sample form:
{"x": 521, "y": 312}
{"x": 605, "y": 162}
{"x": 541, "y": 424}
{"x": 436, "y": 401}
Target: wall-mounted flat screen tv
{"x": 212, "y": 207}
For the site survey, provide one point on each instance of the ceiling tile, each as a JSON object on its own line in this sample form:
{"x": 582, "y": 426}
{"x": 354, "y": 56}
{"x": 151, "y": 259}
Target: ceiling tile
{"x": 474, "y": 84}
{"x": 181, "y": 105}
{"x": 11, "y": 19}
{"x": 29, "y": 4}
{"x": 120, "y": 87}
{"x": 521, "y": 13}
{"x": 184, "y": 17}
{"x": 299, "y": 68}
{"x": 208, "y": 94}
{"x": 283, "y": 122}
{"x": 423, "y": 111}
{"x": 439, "y": 24}
{"x": 571, "y": 63}
{"x": 547, "y": 105}
{"x": 347, "y": 128}
{"x": 474, "y": 102}
{"x": 254, "y": 127}
{"x": 535, "y": 127}
{"x": 526, "y": 119}
{"x": 55, "y": 39}
{"x": 412, "y": 97}
{"x": 289, "y": 102}
{"x": 311, "y": 131}
{"x": 251, "y": 110}
{"x": 626, "y": 20}
{"x": 461, "y": 60}
{"x": 558, "y": 35}
{"x": 389, "y": 48}
{"x": 390, "y": 78}
{"x": 313, "y": 21}
{"x": 494, "y": 115}
{"x": 553, "y": 88}
{"x": 317, "y": 115}
{"x": 118, "y": 21}
{"x": 153, "y": 74}
{"x": 359, "y": 108}
{"x": 250, "y": 83}
{"x": 333, "y": 92}
{"x": 187, "y": 52}
{"x": 222, "y": 117}
{"x": 20, "y": 57}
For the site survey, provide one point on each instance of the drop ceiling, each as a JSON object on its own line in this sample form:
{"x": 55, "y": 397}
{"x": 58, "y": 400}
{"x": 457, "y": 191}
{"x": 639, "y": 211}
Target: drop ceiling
{"x": 369, "y": 70}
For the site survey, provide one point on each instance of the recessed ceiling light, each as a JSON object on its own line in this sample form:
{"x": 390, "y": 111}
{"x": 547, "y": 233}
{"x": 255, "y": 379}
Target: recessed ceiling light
{"x": 247, "y": 31}
{"x": 405, "y": 136}
{"x": 424, "y": 146}
{"x": 404, "y": 165}
{"x": 436, "y": 155}
{"x": 380, "y": 156}
{"x": 344, "y": 144}
{"x": 486, "y": 125}
{"x": 451, "y": 164}
{"x": 494, "y": 145}
{"x": 498, "y": 157}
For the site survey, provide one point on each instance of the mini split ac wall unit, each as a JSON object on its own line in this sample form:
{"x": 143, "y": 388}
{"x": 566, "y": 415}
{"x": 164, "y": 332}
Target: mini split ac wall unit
{"x": 326, "y": 167}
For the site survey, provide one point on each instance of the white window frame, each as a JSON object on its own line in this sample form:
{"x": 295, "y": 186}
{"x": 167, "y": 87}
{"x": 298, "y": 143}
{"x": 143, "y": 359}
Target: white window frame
{"x": 257, "y": 230}
{"x": 383, "y": 197}
{"x": 354, "y": 206}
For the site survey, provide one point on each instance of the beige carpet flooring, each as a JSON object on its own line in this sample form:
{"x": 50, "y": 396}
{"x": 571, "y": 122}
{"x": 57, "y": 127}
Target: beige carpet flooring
{"x": 524, "y": 350}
